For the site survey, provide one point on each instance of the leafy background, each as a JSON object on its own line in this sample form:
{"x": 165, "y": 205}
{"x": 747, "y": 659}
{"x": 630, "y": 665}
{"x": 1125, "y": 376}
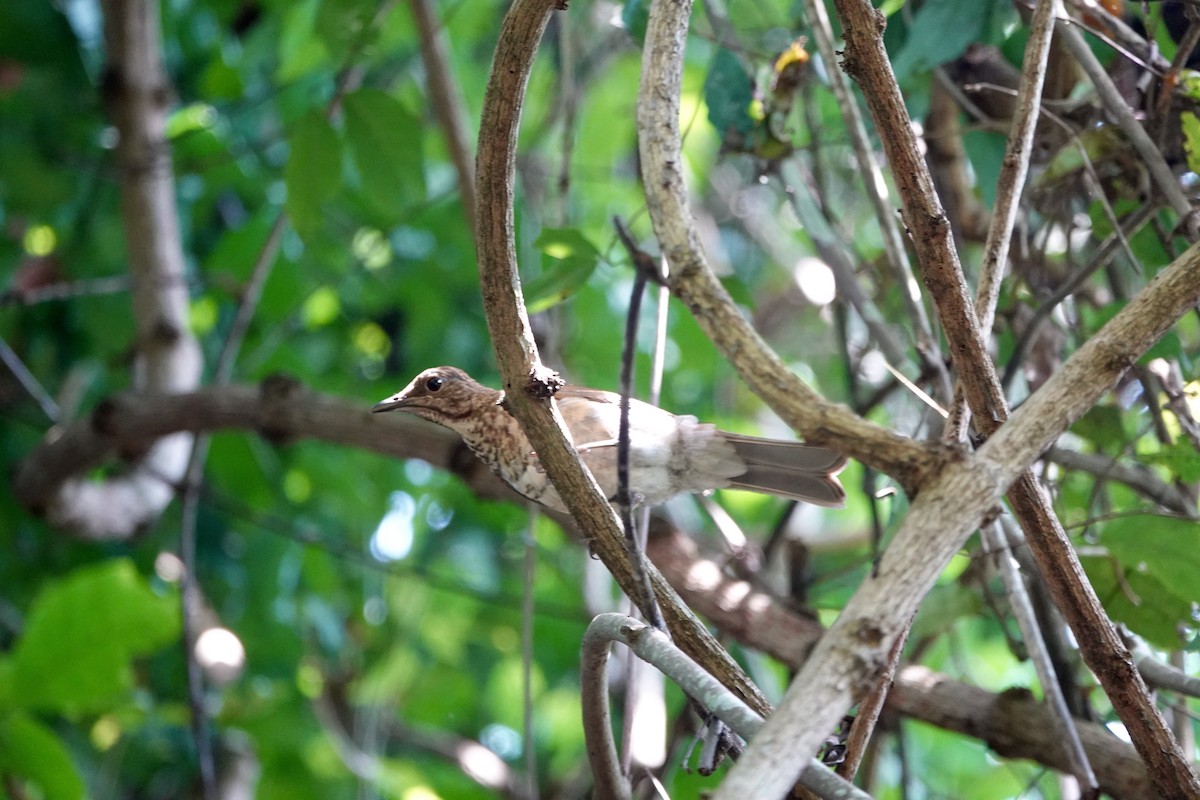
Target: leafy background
{"x": 388, "y": 584}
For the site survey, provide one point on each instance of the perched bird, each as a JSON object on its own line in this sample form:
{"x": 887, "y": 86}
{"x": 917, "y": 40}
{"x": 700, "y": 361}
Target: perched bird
{"x": 668, "y": 454}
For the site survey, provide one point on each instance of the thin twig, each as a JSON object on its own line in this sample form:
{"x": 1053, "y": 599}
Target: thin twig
{"x": 1104, "y": 254}
{"x": 870, "y": 708}
{"x": 445, "y": 97}
{"x": 872, "y": 178}
{"x": 637, "y": 558}
{"x": 1015, "y": 166}
{"x": 996, "y": 545}
{"x": 30, "y": 383}
{"x": 1122, "y": 114}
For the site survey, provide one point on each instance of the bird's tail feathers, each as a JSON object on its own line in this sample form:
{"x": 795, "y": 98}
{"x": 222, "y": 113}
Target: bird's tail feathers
{"x": 789, "y": 469}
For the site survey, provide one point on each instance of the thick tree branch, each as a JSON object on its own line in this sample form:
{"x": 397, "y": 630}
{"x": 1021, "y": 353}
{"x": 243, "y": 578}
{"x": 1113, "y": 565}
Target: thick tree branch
{"x": 866, "y": 60}
{"x": 527, "y": 383}
{"x": 939, "y": 521}
{"x": 284, "y": 412}
{"x": 1016, "y": 725}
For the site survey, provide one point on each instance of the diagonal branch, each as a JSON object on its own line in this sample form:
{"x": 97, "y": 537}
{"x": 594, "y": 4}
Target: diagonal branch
{"x": 952, "y": 506}
{"x": 1102, "y": 649}
{"x": 941, "y": 518}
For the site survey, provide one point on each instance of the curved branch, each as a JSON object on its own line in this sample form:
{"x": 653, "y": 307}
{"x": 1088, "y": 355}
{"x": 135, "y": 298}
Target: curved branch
{"x": 527, "y": 383}
{"x": 692, "y": 280}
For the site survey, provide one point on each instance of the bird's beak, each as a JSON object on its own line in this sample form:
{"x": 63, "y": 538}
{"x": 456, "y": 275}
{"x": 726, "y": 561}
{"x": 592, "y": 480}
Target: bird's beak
{"x": 391, "y": 404}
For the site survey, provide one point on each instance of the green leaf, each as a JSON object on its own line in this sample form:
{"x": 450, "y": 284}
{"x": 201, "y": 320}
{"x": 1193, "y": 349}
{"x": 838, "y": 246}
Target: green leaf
{"x": 1138, "y": 600}
{"x": 566, "y": 243}
{"x": 1169, "y": 347}
{"x": 346, "y": 24}
{"x": 300, "y": 50}
{"x": 30, "y": 750}
{"x": 1179, "y": 457}
{"x": 1101, "y": 425}
{"x": 568, "y": 260}
{"x": 1189, "y": 84}
{"x": 237, "y": 250}
{"x": 1190, "y": 125}
{"x": 940, "y": 32}
{"x": 634, "y": 16}
{"x": 81, "y": 634}
{"x": 985, "y": 149}
{"x": 314, "y": 171}
{"x": 385, "y": 141}
{"x": 728, "y": 93}
{"x": 1160, "y": 559}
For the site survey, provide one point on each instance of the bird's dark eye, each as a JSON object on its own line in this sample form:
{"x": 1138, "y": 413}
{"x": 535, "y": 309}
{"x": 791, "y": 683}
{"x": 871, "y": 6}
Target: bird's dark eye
{"x": 435, "y": 383}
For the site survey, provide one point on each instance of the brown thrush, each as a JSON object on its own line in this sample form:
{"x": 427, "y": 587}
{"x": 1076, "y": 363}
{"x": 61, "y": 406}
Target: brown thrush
{"x": 668, "y": 455}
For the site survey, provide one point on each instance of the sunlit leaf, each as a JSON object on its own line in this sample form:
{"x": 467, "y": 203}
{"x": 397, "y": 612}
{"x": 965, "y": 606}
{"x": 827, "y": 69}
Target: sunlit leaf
{"x": 82, "y": 632}
{"x": 568, "y": 260}
{"x": 1190, "y": 125}
{"x": 1160, "y": 559}
{"x": 30, "y": 750}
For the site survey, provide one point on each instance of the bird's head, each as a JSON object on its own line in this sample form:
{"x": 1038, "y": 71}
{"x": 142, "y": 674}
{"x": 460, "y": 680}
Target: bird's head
{"x": 445, "y": 395}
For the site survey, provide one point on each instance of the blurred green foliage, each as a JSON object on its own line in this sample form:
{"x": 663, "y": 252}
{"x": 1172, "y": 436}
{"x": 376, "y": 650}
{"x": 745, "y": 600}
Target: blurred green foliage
{"x": 417, "y": 620}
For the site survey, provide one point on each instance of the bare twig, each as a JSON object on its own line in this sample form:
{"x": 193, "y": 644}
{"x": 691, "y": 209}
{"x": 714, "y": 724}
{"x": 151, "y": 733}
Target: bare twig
{"x": 867, "y": 716}
{"x": 996, "y": 545}
{"x": 637, "y": 559}
{"x": 446, "y": 98}
{"x": 1123, "y": 115}
{"x": 1015, "y": 167}
{"x": 872, "y": 177}
{"x": 29, "y": 383}
{"x": 1135, "y": 476}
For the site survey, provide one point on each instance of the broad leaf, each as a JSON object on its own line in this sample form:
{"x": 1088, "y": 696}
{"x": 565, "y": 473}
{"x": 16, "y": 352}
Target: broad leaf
{"x": 31, "y": 750}
{"x": 313, "y": 174}
{"x": 385, "y": 141}
{"x": 82, "y": 633}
